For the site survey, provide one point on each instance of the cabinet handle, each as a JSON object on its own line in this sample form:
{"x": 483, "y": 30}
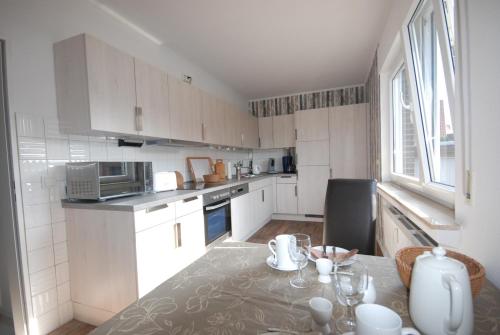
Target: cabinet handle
{"x": 242, "y": 138}
{"x": 285, "y": 176}
{"x": 262, "y": 195}
{"x": 177, "y": 234}
{"x": 138, "y": 118}
{"x": 331, "y": 173}
{"x": 189, "y": 199}
{"x": 156, "y": 208}
{"x": 295, "y": 190}
{"x": 260, "y": 143}
{"x": 203, "y": 131}
{"x": 295, "y": 134}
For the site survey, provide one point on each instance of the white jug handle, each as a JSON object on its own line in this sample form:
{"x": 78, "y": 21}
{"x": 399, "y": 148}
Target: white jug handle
{"x": 409, "y": 331}
{"x": 457, "y": 302}
{"x": 270, "y": 246}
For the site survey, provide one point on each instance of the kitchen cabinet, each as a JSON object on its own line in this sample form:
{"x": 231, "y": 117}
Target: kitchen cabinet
{"x": 266, "y": 140}
{"x": 152, "y": 100}
{"x": 286, "y": 194}
{"x": 312, "y": 182}
{"x": 95, "y": 87}
{"x": 349, "y": 141}
{"x": 242, "y": 225}
{"x": 185, "y": 104}
{"x": 263, "y": 205}
{"x": 312, "y": 124}
{"x": 284, "y": 131}
{"x": 233, "y": 126}
{"x": 313, "y": 152}
{"x": 190, "y": 236}
{"x": 250, "y": 131}
{"x": 213, "y": 119}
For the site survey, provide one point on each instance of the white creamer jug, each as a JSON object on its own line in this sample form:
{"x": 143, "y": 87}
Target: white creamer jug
{"x": 440, "y": 295}
{"x": 279, "y": 248}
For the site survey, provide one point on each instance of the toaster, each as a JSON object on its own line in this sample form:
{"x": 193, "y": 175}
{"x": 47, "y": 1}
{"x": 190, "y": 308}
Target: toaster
{"x": 164, "y": 181}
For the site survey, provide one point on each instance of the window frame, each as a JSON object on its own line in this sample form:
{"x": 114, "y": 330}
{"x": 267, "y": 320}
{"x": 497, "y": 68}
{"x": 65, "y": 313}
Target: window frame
{"x": 424, "y": 185}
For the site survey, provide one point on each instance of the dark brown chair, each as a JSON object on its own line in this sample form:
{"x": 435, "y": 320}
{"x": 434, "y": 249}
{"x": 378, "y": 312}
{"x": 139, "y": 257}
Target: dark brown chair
{"x": 349, "y": 214}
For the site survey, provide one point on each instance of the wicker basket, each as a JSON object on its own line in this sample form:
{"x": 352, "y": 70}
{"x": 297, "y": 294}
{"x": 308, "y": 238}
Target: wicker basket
{"x": 405, "y": 258}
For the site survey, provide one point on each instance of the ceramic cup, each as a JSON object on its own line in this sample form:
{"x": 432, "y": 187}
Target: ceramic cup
{"x": 279, "y": 248}
{"x": 321, "y": 312}
{"x": 372, "y": 319}
{"x": 324, "y": 267}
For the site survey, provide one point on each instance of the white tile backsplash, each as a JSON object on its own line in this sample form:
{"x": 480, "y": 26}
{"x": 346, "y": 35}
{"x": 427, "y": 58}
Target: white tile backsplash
{"x": 39, "y": 237}
{"x": 36, "y": 215}
{"x": 31, "y": 148}
{"x": 57, "y": 211}
{"x": 60, "y": 253}
{"x": 29, "y": 126}
{"x": 40, "y": 259}
{"x": 57, "y": 149}
{"x": 33, "y": 170}
{"x": 62, "y": 273}
{"x": 113, "y": 151}
{"x": 79, "y": 151}
{"x": 42, "y": 281}
{"x": 98, "y": 151}
{"x": 34, "y": 194}
{"x": 57, "y": 170}
{"x": 44, "y": 302}
{"x": 59, "y": 232}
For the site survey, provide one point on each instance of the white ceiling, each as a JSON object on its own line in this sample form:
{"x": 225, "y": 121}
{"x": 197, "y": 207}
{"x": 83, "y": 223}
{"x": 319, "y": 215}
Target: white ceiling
{"x": 266, "y": 48}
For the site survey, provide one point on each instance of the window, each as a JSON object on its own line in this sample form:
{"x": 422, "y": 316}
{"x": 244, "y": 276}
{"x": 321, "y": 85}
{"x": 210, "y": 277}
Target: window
{"x": 405, "y": 159}
{"x": 449, "y": 15}
{"x": 432, "y": 92}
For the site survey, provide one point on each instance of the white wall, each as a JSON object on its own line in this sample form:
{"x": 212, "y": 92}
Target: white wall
{"x": 480, "y": 217}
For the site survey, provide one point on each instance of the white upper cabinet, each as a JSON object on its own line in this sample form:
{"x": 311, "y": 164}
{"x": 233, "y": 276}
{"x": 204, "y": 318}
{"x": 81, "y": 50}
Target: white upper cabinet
{"x": 95, "y": 87}
{"x": 266, "y": 140}
{"x": 152, "y": 100}
{"x": 312, "y": 125}
{"x": 284, "y": 131}
{"x": 232, "y": 126}
{"x": 213, "y": 119}
{"x": 250, "y": 131}
{"x": 185, "y": 111}
{"x": 349, "y": 141}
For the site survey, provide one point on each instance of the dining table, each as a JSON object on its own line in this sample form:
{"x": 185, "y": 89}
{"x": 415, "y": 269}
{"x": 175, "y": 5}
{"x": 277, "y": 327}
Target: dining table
{"x": 231, "y": 290}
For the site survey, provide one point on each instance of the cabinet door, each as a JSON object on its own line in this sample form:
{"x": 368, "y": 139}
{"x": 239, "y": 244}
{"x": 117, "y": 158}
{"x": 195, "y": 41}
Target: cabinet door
{"x": 286, "y": 198}
{"x": 241, "y": 213}
{"x": 312, "y": 182}
{"x": 266, "y": 140}
{"x": 312, "y": 124}
{"x": 284, "y": 131}
{"x": 349, "y": 141}
{"x": 312, "y": 152}
{"x": 250, "y": 131}
{"x": 232, "y": 126}
{"x": 213, "y": 119}
{"x": 154, "y": 252}
{"x": 152, "y": 99}
{"x": 185, "y": 111}
{"x": 268, "y": 200}
{"x": 190, "y": 231}
{"x": 111, "y": 88}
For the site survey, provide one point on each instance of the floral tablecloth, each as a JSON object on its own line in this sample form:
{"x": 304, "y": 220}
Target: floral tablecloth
{"x": 231, "y": 290}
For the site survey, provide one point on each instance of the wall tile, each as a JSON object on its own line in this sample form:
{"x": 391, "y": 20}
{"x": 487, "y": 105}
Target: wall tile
{"x": 66, "y": 312}
{"x": 31, "y": 148}
{"x": 79, "y": 150}
{"x": 39, "y": 237}
{"x": 63, "y": 293}
{"x": 52, "y": 129}
{"x": 47, "y": 322}
{"x": 57, "y": 149}
{"x": 34, "y": 194}
{"x": 57, "y": 211}
{"x": 57, "y": 170}
{"x": 59, "y": 232}
{"x": 40, "y": 259}
{"x": 114, "y": 153}
{"x": 44, "y": 302}
{"x": 62, "y": 273}
{"x": 60, "y": 253}
{"x": 42, "y": 281}
{"x": 36, "y": 215}
{"x": 33, "y": 170}
{"x": 98, "y": 151}
{"x": 29, "y": 126}
{"x": 57, "y": 192}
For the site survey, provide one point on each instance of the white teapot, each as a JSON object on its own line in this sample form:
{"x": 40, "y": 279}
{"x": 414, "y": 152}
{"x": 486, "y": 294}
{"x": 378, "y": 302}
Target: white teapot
{"x": 440, "y": 295}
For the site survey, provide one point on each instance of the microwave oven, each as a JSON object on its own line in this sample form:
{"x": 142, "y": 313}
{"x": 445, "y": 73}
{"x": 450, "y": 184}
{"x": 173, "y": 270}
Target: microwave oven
{"x": 108, "y": 180}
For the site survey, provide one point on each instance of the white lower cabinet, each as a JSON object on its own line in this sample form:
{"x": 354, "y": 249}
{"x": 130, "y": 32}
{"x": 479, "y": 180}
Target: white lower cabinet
{"x": 286, "y": 198}
{"x": 190, "y": 237}
{"x": 312, "y": 182}
{"x": 241, "y": 217}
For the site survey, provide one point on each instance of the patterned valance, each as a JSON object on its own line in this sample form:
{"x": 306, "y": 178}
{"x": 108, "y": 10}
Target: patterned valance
{"x": 292, "y": 103}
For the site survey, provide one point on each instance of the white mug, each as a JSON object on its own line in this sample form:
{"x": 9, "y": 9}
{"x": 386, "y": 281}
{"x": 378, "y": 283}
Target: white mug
{"x": 281, "y": 253}
{"x": 373, "y": 319}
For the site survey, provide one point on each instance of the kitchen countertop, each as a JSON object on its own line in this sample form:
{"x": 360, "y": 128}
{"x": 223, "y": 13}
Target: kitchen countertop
{"x": 140, "y": 202}
{"x": 231, "y": 290}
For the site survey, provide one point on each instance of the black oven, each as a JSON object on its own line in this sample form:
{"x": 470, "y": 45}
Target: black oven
{"x": 217, "y": 212}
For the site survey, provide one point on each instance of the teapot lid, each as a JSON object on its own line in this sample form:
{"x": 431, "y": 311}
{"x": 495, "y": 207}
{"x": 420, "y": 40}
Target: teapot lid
{"x": 439, "y": 260}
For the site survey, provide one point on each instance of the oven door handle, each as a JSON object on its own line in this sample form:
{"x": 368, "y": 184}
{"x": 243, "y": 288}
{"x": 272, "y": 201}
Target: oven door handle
{"x": 210, "y": 208}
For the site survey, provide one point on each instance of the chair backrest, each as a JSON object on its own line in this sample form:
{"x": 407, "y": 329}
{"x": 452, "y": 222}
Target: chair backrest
{"x": 349, "y": 220}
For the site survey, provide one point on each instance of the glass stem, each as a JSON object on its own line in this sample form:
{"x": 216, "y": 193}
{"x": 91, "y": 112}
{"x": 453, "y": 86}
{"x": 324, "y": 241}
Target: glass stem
{"x": 299, "y": 274}
{"x": 350, "y": 312}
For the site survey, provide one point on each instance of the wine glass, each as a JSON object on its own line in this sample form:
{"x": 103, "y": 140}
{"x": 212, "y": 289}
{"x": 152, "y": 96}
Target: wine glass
{"x": 351, "y": 284}
{"x": 299, "y": 249}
